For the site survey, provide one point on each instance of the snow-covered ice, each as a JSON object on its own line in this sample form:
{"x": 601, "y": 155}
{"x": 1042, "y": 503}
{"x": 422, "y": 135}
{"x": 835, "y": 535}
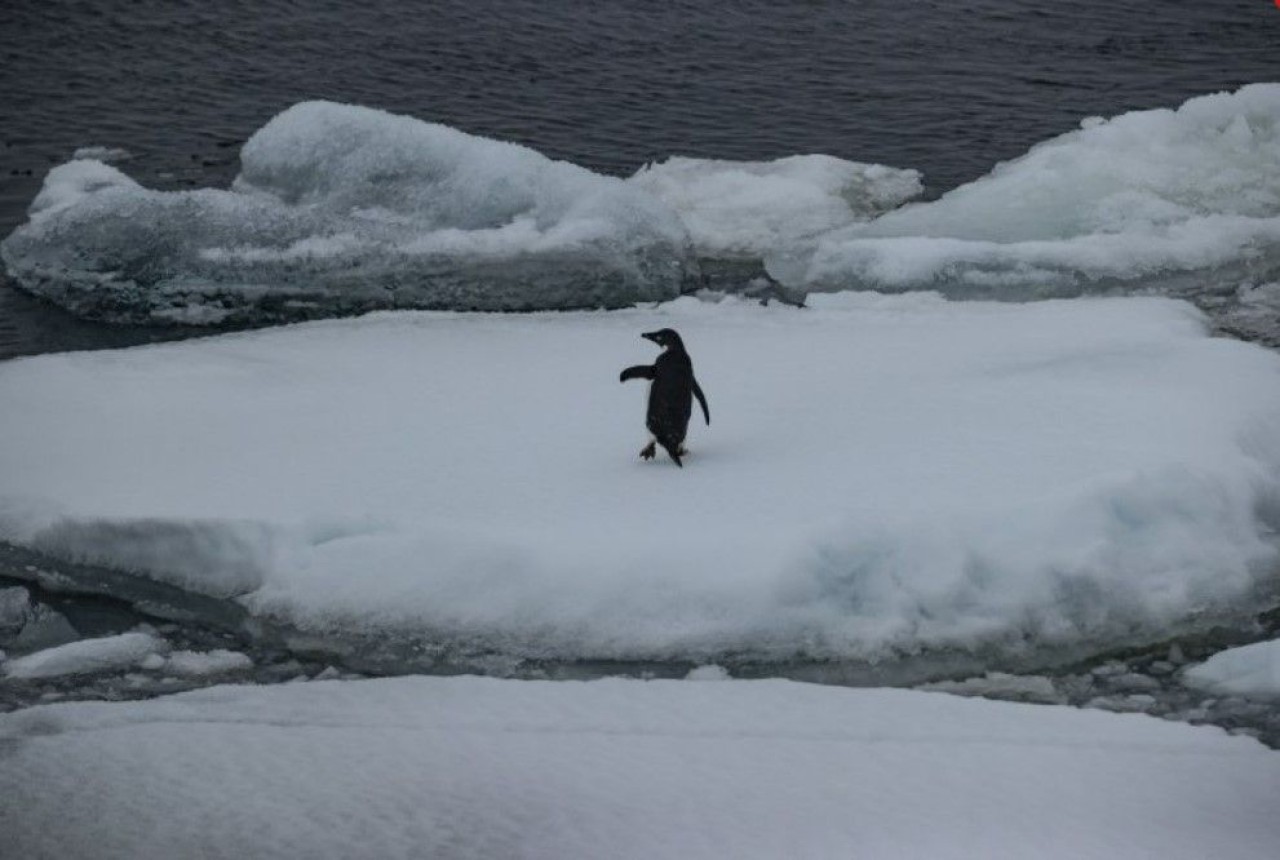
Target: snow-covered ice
{"x": 884, "y": 476}
{"x": 340, "y": 208}
{"x": 476, "y": 767}
{"x": 87, "y": 656}
{"x": 1138, "y": 200}
{"x": 1252, "y": 671}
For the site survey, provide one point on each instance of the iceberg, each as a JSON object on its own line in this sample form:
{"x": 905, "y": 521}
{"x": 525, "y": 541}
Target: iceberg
{"x": 1155, "y": 198}
{"x": 340, "y": 209}
{"x": 887, "y": 477}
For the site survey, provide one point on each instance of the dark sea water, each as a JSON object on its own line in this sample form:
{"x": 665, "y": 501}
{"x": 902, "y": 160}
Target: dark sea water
{"x": 947, "y": 88}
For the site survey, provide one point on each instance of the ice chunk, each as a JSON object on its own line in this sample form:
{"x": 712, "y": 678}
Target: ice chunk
{"x": 88, "y": 656}
{"x": 339, "y": 209}
{"x": 102, "y": 153}
{"x": 753, "y": 208}
{"x": 1148, "y": 196}
{"x": 1000, "y": 685}
{"x": 1252, "y": 671}
{"x": 710, "y": 672}
{"x": 215, "y": 662}
{"x": 15, "y": 610}
{"x": 44, "y": 627}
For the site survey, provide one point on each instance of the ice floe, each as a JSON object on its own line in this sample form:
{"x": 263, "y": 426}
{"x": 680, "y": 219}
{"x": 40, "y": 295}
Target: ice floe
{"x": 339, "y": 209}
{"x": 885, "y": 476}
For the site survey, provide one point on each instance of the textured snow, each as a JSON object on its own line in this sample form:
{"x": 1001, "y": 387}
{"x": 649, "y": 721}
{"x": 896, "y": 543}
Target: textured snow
{"x": 753, "y": 208}
{"x": 340, "y": 208}
{"x": 884, "y": 475}
{"x": 1252, "y": 671}
{"x": 104, "y": 654}
{"x": 473, "y": 767}
{"x": 1136, "y": 200}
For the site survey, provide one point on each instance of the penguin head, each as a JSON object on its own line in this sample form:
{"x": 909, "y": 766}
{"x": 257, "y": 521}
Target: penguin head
{"x": 665, "y": 338}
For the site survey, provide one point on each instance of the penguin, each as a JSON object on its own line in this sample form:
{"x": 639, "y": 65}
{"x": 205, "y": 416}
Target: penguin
{"x": 671, "y": 394}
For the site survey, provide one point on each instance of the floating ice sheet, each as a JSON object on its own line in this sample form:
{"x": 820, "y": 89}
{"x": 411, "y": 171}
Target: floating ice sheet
{"x": 884, "y": 475}
{"x": 338, "y": 209}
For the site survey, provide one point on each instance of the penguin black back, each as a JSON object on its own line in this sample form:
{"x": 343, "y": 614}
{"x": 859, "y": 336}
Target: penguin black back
{"x": 671, "y": 392}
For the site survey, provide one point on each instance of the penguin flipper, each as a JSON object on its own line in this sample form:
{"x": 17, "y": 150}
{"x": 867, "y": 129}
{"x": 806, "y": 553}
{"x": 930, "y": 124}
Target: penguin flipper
{"x": 639, "y": 371}
{"x": 702, "y": 401}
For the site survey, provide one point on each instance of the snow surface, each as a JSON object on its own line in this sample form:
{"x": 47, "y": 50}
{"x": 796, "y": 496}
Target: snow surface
{"x": 339, "y": 208}
{"x": 883, "y": 475}
{"x": 753, "y": 208}
{"x": 475, "y": 767}
{"x": 1252, "y": 671}
{"x": 104, "y": 654}
{"x": 1133, "y": 201}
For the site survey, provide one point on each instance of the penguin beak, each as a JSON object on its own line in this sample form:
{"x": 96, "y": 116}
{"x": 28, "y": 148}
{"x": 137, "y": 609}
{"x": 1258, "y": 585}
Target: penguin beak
{"x": 651, "y": 335}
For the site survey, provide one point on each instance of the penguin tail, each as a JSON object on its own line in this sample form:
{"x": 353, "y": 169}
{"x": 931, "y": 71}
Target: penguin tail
{"x": 673, "y": 451}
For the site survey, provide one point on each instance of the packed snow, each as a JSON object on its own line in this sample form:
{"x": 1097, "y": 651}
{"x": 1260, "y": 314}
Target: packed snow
{"x": 340, "y": 208}
{"x": 1137, "y": 200}
{"x": 884, "y": 476}
{"x": 1252, "y": 671}
{"x": 476, "y": 767}
{"x": 103, "y": 654}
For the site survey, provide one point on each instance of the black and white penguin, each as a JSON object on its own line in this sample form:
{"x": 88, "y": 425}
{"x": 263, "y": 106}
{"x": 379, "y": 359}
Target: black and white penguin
{"x": 670, "y": 394}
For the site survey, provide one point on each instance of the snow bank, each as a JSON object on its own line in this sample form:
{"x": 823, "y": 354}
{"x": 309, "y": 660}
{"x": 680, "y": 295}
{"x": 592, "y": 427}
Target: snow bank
{"x": 1142, "y": 198}
{"x": 340, "y": 208}
{"x": 752, "y": 208}
{"x": 1252, "y": 671}
{"x": 472, "y": 767}
{"x": 884, "y": 475}
{"x": 105, "y": 654}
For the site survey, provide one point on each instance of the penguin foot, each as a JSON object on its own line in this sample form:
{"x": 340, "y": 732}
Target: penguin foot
{"x": 647, "y": 451}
